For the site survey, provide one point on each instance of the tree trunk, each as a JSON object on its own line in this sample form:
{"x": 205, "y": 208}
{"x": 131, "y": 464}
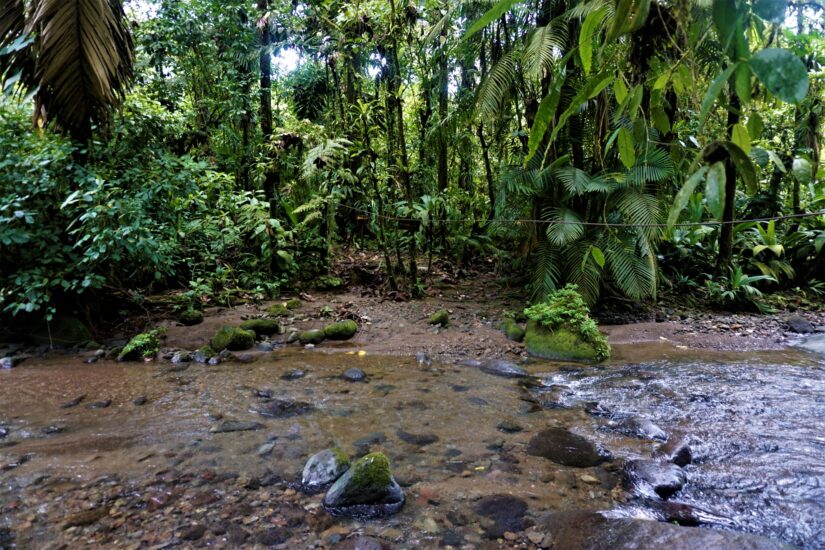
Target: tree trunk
{"x": 726, "y": 232}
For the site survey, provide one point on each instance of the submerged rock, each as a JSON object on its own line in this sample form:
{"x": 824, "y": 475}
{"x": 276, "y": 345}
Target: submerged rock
{"x": 584, "y": 530}
{"x": 505, "y": 369}
{"x": 204, "y": 354}
{"x": 233, "y": 339}
{"x": 506, "y": 513}
{"x": 440, "y": 318}
{"x": 366, "y": 490}
{"x": 235, "y": 426}
{"x": 322, "y": 469}
{"x": 343, "y": 330}
{"x": 262, "y": 327}
{"x": 294, "y": 374}
{"x": 567, "y": 448}
{"x": 284, "y": 408}
{"x": 676, "y": 450}
{"x": 639, "y": 427}
{"x": 419, "y": 440}
{"x": 314, "y": 336}
{"x": 650, "y": 476}
{"x": 561, "y": 344}
{"x": 354, "y": 375}
{"x": 191, "y": 317}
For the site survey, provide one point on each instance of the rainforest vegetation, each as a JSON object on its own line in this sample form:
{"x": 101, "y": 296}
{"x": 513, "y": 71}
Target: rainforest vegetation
{"x": 231, "y": 149}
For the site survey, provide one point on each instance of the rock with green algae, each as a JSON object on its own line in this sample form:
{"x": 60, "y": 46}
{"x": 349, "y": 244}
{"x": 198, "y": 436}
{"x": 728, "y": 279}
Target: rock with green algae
{"x": 563, "y": 344}
{"x": 314, "y": 336}
{"x": 513, "y": 331}
{"x": 142, "y": 346}
{"x": 233, "y": 339}
{"x": 191, "y": 317}
{"x": 441, "y": 318}
{"x": 262, "y": 327}
{"x": 328, "y": 282}
{"x": 366, "y": 490}
{"x": 322, "y": 469}
{"x": 343, "y": 330}
{"x": 294, "y": 303}
{"x": 278, "y": 310}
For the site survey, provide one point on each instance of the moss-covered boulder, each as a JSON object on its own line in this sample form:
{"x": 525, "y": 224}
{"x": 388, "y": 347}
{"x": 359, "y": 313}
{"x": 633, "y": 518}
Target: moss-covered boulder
{"x": 233, "y": 339}
{"x": 142, "y": 346}
{"x": 328, "y": 282}
{"x": 366, "y": 490}
{"x": 191, "y": 317}
{"x": 441, "y": 318}
{"x": 343, "y": 330}
{"x": 322, "y": 469}
{"x": 314, "y": 336}
{"x": 278, "y": 310}
{"x": 262, "y": 327}
{"x": 294, "y": 303}
{"x": 513, "y": 331}
{"x": 63, "y": 330}
{"x": 562, "y": 344}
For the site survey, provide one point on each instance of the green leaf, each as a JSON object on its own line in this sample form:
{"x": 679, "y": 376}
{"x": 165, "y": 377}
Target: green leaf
{"x": 591, "y": 89}
{"x": 635, "y": 102}
{"x": 620, "y": 90}
{"x": 715, "y": 190}
{"x": 771, "y": 10}
{"x": 627, "y": 153}
{"x": 777, "y": 161}
{"x": 755, "y": 126}
{"x": 725, "y": 16}
{"x": 802, "y": 170}
{"x": 684, "y": 194}
{"x": 660, "y": 121}
{"x": 741, "y": 138}
{"x": 713, "y": 92}
{"x": 630, "y": 15}
{"x": 744, "y": 166}
{"x": 590, "y": 27}
{"x": 544, "y": 116}
{"x": 742, "y": 82}
{"x": 782, "y": 73}
{"x": 492, "y": 14}
{"x": 598, "y": 255}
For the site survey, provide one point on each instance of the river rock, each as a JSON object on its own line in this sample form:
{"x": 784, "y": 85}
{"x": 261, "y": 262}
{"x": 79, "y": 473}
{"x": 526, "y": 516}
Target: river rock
{"x": 233, "y": 339}
{"x": 563, "y": 344}
{"x": 191, "y": 317}
{"x": 676, "y": 450}
{"x": 567, "y": 448}
{"x": 650, "y": 476}
{"x": 584, "y": 530}
{"x": 235, "y": 426}
{"x": 181, "y": 357}
{"x": 4, "y": 432}
{"x": 440, "y": 318}
{"x": 11, "y": 362}
{"x": 505, "y": 369}
{"x": 685, "y": 514}
{"x": 322, "y": 469}
{"x": 639, "y": 427}
{"x": 354, "y": 375}
{"x": 284, "y": 408}
{"x": 366, "y": 490}
{"x": 73, "y": 402}
{"x": 294, "y": 374}
{"x": 419, "y": 440}
{"x": 799, "y": 324}
{"x": 262, "y": 327}
{"x": 423, "y": 358}
{"x": 343, "y": 330}
{"x": 314, "y": 337}
{"x": 505, "y": 511}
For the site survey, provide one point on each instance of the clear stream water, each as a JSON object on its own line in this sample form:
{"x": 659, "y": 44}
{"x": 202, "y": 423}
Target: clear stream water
{"x": 755, "y": 422}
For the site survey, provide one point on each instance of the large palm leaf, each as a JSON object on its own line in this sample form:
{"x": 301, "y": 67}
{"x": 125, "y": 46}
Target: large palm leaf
{"x": 81, "y": 58}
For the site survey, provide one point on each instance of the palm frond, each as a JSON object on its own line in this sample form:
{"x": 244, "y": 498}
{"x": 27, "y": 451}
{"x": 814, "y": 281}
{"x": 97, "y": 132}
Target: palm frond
{"x": 565, "y": 225}
{"x": 640, "y": 209}
{"x": 654, "y": 165}
{"x": 578, "y": 182}
{"x": 545, "y": 47}
{"x": 496, "y": 86}
{"x": 546, "y": 272}
{"x": 584, "y": 274}
{"x": 630, "y": 270}
{"x": 84, "y": 59}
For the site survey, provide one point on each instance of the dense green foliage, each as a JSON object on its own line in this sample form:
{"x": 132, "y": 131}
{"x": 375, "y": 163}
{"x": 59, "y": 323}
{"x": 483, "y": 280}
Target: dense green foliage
{"x": 593, "y": 143}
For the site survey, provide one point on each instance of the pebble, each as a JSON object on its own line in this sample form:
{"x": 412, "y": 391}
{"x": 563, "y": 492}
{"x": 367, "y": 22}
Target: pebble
{"x": 354, "y": 375}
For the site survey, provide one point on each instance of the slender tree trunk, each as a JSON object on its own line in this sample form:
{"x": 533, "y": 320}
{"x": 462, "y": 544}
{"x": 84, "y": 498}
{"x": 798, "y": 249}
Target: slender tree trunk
{"x": 443, "y": 152}
{"x": 729, "y": 211}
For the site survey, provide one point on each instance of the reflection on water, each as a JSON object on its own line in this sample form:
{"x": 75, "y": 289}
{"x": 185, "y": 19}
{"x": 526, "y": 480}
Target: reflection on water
{"x": 754, "y": 422}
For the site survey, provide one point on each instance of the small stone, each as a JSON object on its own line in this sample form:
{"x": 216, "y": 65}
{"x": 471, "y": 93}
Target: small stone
{"x": 354, "y": 375}
{"x": 73, "y": 402}
{"x": 103, "y": 404}
{"x": 322, "y": 469}
{"x": 440, "y": 318}
{"x": 236, "y": 426}
{"x": 587, "y": 478}
{"x": 294, "y": 374}
{"x": 419, "y": 440}
{"x": 193, "y": 532}
{"x": 181, "y": 357}
{"x": 509, "y": 427}
{"x": 139, "y": 401}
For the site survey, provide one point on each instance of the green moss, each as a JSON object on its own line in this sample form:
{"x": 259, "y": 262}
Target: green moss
{"x": 371, "y": 471}
{"x": 440, "y": 317}
{"x": 315, "y": 336}
{"x": 232, "y": 338}
{"x": 564, "y": 344}
{"x": 512, "y": 329}
{"x": 142, "y": 346}
{"x": 328, "y": 282}
{"x": 191, "y": 317}
{"x": 341, "y": 331}
{"x": 262, "y": 327}
{"x": 341, "y": 457}
{"x": 278, "y": 310}
{"x": 208, "y": 352}
{"x": 294, "y": 303}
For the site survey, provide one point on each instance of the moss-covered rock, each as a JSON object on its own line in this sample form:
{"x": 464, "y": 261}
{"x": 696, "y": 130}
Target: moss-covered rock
{"x": 441, "y": 318}
{"x": 343, "y": 330}
{"x": 262, "y": 327}
{"x": 314, "y": 336}
{"x": 191, "y": 317}
{"x": 322, "y": 469}
{"x": 142, "y": 346}
{"x": 328, "y": 282}
{"x": 563, "y": 344}
{"x": 232, "y": 338}
{"x": 367, "y": 490}
{"x": 278, "y": 310}
{"x": 63, "y": 330}
{"x": 294, "y": 303}
{"x": 512, "y": 329}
